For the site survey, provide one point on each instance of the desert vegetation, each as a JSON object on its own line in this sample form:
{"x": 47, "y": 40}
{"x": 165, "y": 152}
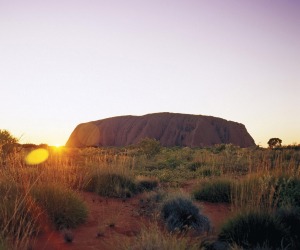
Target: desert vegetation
{"x": 260, "y": 186}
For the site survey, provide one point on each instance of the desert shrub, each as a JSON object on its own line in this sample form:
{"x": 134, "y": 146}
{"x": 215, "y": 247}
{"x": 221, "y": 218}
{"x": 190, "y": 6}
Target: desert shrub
{"x": 150, "y": 147}
{"x": 63, "y": 206}
{"x": 169, "y": 163}
{"x": 216, "y": 191}
{"x": 290, "y": 219}
{"x": 170, "y": 177}
{"x": 287, "y": 192}
{"x": 144, "y": 183}
{"x": 254, "y": 229}
{"x": 218, "y": 148}
{"x": 193, "y": 166}
{"x": 172, "y": 163}
{"x": 207, "y": 172}
{"x": 180, "y": 214}
{"x": 111, "y": 185}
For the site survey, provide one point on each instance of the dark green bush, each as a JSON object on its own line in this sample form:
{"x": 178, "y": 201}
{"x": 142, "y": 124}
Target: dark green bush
{"x": 63, "y": 207}
{"x": 290, "y": 219}
{"x": 193, "y": 166}
{"x": 150, "y": 147}
{"x": 144, "y": 183}
{"x": 172, "y": 163}
{"x": 207, "y": 172}
{"x": 254, "y": 229}
{"x": 111, "y": 185}
{"x": 287, "y": 192}
{"x": 216, "y": 191}
{"x": 181, "y": 214}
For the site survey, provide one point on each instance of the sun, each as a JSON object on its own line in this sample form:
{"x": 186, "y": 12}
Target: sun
{"x": 57, "y": 146}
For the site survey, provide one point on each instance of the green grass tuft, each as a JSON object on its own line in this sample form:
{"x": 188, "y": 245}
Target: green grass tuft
{"x": 112, "y": 185}
{"x": 63, "y": 206}
{"x": 215, "y": 191}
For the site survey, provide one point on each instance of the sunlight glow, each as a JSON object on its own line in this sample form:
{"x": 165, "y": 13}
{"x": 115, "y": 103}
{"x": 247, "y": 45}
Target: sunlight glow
{"x": 57, "y": 148}
{"x": 37, "y": 156}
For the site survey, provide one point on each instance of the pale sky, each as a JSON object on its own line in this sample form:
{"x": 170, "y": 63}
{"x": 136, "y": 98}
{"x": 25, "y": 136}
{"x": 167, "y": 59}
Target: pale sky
{"x": 65, "y": 62}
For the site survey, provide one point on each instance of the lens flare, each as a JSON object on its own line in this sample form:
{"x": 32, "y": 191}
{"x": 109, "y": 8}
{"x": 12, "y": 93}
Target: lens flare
{"x": 37, "y": 156}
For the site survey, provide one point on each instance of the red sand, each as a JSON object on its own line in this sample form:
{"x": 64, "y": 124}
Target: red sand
{"x": 112, "y": 220}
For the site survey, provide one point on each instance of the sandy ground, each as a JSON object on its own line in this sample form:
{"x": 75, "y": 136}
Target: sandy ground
{"x": 112, "y": 222}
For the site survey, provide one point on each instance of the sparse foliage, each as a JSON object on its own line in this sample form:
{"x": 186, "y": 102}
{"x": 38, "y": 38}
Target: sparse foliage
{"x": 6, "y": 137}
{"x": 150, "y": 147}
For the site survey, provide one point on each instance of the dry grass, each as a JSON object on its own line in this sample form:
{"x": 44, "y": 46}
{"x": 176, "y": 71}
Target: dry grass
{"x": 152, "y": 237}
{"x": 260, "y": 175}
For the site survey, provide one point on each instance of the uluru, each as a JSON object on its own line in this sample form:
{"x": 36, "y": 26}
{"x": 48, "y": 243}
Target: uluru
{"x": 171, "y": 129}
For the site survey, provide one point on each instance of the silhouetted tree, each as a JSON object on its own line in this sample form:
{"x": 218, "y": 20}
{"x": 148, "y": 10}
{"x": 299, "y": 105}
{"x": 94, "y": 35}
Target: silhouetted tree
{"x": 274, "y": 143}
{"x": 7, "y": 144}
{"x": 6, "y": 137}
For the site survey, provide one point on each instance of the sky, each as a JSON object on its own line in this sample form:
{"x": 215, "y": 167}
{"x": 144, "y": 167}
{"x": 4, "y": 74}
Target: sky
{"x": 65, "y": 62}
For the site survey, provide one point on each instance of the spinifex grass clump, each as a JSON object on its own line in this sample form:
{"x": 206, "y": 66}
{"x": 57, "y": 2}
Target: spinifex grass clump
{"x": 180, "y": 214}
{"x": 214, "y": 191}
{"x": 266, "y": 191}
{"x": 63, "y": 206}
{"x": 111, "y": 185}
{"x": 255, "y": 229}
{"x": 152, "y": 238}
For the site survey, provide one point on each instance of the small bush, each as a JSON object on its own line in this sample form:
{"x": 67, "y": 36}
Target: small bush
{"x": 288, "y": 192}
{"x": 193, "y": 166}
{"x": 172, "y": 163}
{"x": 150, "y": 147}
{"x": 207, "y": 172}
{"x": 180, "y": 213}
{"x": 64, "y": 208}
{"x": 144, "y": 183}
{"x": 254, "y": 229}
{"x": 111, "y": 185}
{"x": 216, "y": 191}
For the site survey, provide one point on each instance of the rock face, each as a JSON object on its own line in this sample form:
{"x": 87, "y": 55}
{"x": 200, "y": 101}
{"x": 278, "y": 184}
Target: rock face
{"x": 170, "y": 129}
